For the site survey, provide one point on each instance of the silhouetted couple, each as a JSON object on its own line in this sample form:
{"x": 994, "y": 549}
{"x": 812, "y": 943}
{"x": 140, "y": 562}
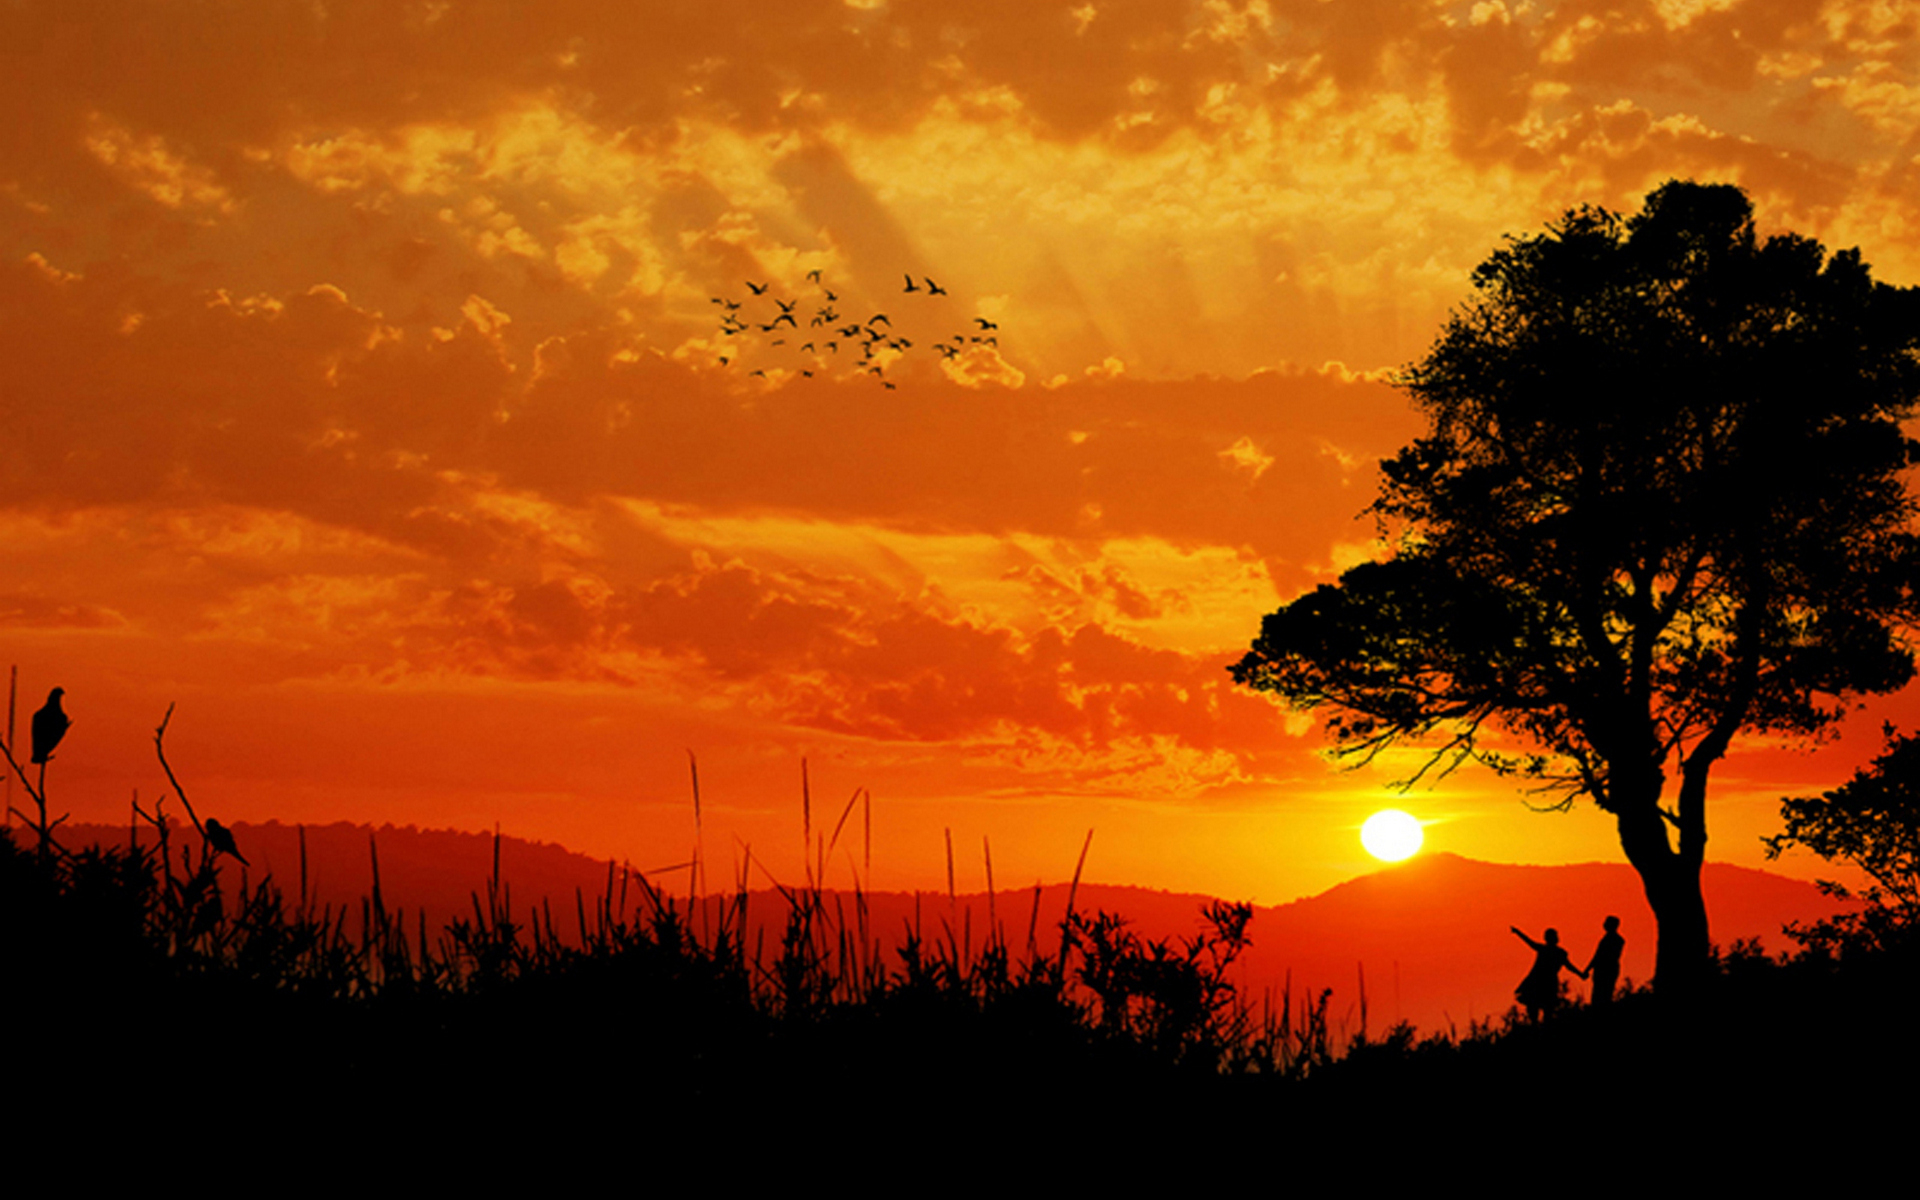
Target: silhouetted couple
{"x": 1539, "y": 992}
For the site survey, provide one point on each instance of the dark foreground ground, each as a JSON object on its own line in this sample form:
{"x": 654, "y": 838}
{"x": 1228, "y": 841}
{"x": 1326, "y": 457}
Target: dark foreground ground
{"x": 150, "y": 1029}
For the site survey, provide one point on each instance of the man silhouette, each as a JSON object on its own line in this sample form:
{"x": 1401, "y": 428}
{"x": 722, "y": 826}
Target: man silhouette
{"x": 49, "y": 726}
{"x": 1604, "y": 967}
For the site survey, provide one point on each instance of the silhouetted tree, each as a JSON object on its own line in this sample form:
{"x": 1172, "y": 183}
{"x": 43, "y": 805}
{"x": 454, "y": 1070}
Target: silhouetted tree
{"x": 1873, "y": 822}
{"x": 1660, "y": 504}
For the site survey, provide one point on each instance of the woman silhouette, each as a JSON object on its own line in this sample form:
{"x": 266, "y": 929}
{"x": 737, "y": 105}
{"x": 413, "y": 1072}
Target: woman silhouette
{"x": 1539, "y": 992}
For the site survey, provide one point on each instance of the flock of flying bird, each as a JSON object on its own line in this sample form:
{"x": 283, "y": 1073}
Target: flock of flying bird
{"x": 51, "y": 723}
{"x": 836, "y": 333}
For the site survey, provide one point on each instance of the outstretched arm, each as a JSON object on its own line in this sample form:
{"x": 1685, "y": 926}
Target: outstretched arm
{"x": 1523, "y": 937}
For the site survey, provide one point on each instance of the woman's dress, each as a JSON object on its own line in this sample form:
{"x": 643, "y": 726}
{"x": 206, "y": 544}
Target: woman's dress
{"x": 1541, "y": 987}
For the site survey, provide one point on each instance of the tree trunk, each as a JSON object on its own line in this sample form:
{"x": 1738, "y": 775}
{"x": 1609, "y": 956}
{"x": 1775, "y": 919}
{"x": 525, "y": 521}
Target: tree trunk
{"x": 1671, "y": 880}
{"x": 1682, "y": 954}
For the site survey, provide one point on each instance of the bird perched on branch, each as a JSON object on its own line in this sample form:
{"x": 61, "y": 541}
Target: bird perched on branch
{"x": 49, "y": 726}
{"x": 222, "y": 840}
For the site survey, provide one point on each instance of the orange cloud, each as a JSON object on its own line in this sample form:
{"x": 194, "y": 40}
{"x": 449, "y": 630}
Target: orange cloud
{"x": 428, "y": 361}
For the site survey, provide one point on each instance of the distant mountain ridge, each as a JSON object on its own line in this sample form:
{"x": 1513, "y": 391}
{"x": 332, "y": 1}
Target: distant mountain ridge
{"x": 1428, "y": 939}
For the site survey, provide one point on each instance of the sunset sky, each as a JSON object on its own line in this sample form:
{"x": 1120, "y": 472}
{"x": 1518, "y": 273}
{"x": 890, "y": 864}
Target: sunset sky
{"x": 363, "y": 393}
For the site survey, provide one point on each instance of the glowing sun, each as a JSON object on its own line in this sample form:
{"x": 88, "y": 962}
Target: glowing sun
{"x": 1391, "y": 835}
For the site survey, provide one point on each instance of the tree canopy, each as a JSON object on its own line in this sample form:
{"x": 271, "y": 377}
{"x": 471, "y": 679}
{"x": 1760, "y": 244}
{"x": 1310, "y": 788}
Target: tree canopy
{"x": 1873, "y": 822}
{"x": 1661, "y": 502}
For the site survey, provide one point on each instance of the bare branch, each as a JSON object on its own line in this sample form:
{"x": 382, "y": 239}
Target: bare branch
{"x": 160, "y": 748}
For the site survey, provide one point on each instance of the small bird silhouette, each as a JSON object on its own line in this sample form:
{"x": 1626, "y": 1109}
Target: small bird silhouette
{"x": 49, "y": 726}
{"x": 934, "y": 289}
{"x": 910, "y": 285}
{"x": 222, "y": 839}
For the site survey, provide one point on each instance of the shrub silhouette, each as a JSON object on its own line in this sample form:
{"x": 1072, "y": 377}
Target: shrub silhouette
{"x": 1873, "y": 822}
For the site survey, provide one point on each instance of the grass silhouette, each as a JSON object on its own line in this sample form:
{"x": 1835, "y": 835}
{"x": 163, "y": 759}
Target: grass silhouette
{"x": 157, "y": 979}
